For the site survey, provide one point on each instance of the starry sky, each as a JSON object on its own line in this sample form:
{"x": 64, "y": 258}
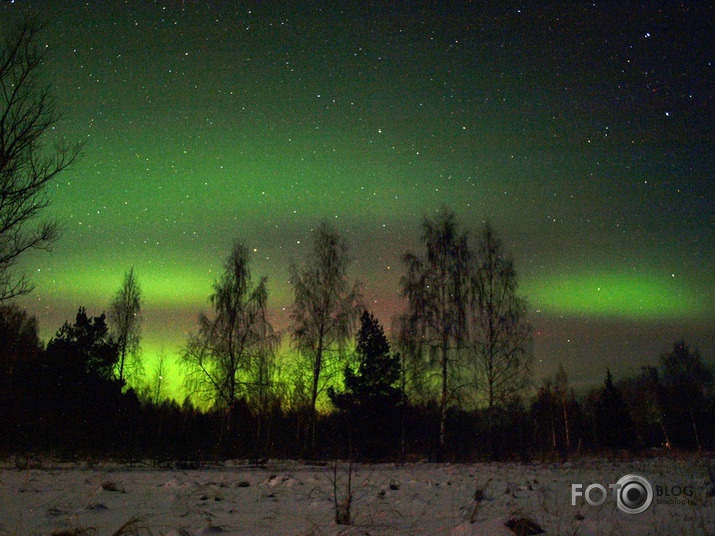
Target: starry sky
{"x": 583, "y": 131}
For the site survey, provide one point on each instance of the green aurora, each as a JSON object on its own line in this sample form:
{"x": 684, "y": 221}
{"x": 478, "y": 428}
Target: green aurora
{"x": 215, "y": 121}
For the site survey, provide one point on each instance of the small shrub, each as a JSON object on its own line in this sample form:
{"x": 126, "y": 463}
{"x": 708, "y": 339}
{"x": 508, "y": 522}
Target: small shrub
{"x": 523, "y": 526}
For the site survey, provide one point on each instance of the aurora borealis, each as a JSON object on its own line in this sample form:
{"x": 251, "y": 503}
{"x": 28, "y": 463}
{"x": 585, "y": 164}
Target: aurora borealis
{"x": 582, "y": 131}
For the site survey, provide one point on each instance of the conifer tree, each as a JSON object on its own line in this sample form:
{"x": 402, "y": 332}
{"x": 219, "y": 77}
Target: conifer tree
{"x": 613, "y": 422}
{"x": 370, "y": 398}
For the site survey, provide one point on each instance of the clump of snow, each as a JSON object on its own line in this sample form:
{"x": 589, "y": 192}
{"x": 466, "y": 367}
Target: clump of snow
{"x": 292, "y": 499}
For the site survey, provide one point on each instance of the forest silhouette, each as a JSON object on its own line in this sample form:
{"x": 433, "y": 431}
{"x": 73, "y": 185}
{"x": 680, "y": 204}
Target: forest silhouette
{"x": 366, "y": 397}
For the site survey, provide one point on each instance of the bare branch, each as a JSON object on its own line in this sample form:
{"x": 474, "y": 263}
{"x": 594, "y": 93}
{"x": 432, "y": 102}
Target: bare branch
{"x": 325, "y": 311}
{"x": 27, "y": 113}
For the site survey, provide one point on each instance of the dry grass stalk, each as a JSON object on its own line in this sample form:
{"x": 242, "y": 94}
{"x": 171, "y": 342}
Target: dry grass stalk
{"x": 342, "y": 507}
{"x": 133, "y": 527}
{"x": 477, "y": 499}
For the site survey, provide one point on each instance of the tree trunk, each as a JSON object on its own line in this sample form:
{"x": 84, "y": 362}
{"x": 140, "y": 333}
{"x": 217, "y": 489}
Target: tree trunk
{"x": 443, "y": 406}
{"x": 695, "y": 429}
{"x": 553, "y": 432}
{"x": 403, "y": 411}
{"x": 566, "y": 425}
{"x": 122, "y": 356}
{"x": 314, "y": 398}
{"x": 491, "y": 441}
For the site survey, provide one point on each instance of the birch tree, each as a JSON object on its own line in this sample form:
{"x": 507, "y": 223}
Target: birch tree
{"x": 435, "y": 285}
{"x": 232, "y": 341}
{"x": 27, "y": 166}
{"x": 125, "y": 315}
{"x": 500, "y": 335}
{"x": 325, "y": 310}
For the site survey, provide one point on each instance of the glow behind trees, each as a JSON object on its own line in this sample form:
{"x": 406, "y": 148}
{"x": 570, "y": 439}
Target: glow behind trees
{"x": 210, "y": 122}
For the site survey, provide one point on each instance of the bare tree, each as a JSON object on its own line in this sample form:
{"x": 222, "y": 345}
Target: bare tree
{"x": 435, "y": 286}
{"x": 236, "y": 338}
{"x": 565, "y": 397}
{"x": 27, "y": 114}
{"x": 500, "y": 335}
{"x": 325, "y": 311}
{"x": 157, "y": 382}
{"x": 416, "y": 375}
{"x": 263, "y": 396}
{"x": 125, "y": 314}
{"x": 687, "y": 380}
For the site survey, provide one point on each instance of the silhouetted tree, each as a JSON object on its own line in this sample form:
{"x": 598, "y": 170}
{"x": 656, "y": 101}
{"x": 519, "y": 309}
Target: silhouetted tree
{"x": 237, "y": 338}
{"x": 27, "y": 114}
{"x": 125, "y": 313}
{"x": 263, "y": 397}
{"x": 686, "y": 380}
{"x": 565, "y": 398}
{"x": 19, "y": 340}
{"x": 20, "y": 352}
{"x": 554, "y": 411}
{"x": 85, "y": 347}
{"x": 370, "y": 398}
{"x": 156, "y": 385}
{"x": 545, "y": 412}
{"x": 79, "y": 390}
{"x": 500, "y": 335}
{"x": 644, "y": 395}
{"x": 324, "y": 312}
{"x": 417, "y": 369}
{"x": 436, "y": 288}
{"x": 614, "y": 426}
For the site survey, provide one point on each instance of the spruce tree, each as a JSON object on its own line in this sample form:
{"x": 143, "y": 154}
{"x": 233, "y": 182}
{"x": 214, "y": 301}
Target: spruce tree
{"x": 370, "y": 399}
{"x": 613, "y": 422}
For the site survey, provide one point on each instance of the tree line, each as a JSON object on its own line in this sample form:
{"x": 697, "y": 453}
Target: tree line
{"x": 452, "y": 383}
{"x": 463, "y": 340}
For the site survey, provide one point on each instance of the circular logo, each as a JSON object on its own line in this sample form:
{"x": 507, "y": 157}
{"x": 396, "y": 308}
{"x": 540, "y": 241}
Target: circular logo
{"x": 634, "y": 494}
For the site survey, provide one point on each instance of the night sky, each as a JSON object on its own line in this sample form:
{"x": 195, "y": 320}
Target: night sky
{"x": 582, "y": 131}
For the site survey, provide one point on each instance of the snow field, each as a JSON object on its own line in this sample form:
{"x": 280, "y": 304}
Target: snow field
{"x": 289, "y": 498}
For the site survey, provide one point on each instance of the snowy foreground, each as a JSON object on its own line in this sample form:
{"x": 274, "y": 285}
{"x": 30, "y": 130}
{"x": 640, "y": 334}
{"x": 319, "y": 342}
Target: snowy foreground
{"x": 289, "y": 498}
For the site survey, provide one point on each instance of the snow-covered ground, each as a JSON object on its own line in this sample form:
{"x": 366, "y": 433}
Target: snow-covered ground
{"x": 289, "y": 498}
